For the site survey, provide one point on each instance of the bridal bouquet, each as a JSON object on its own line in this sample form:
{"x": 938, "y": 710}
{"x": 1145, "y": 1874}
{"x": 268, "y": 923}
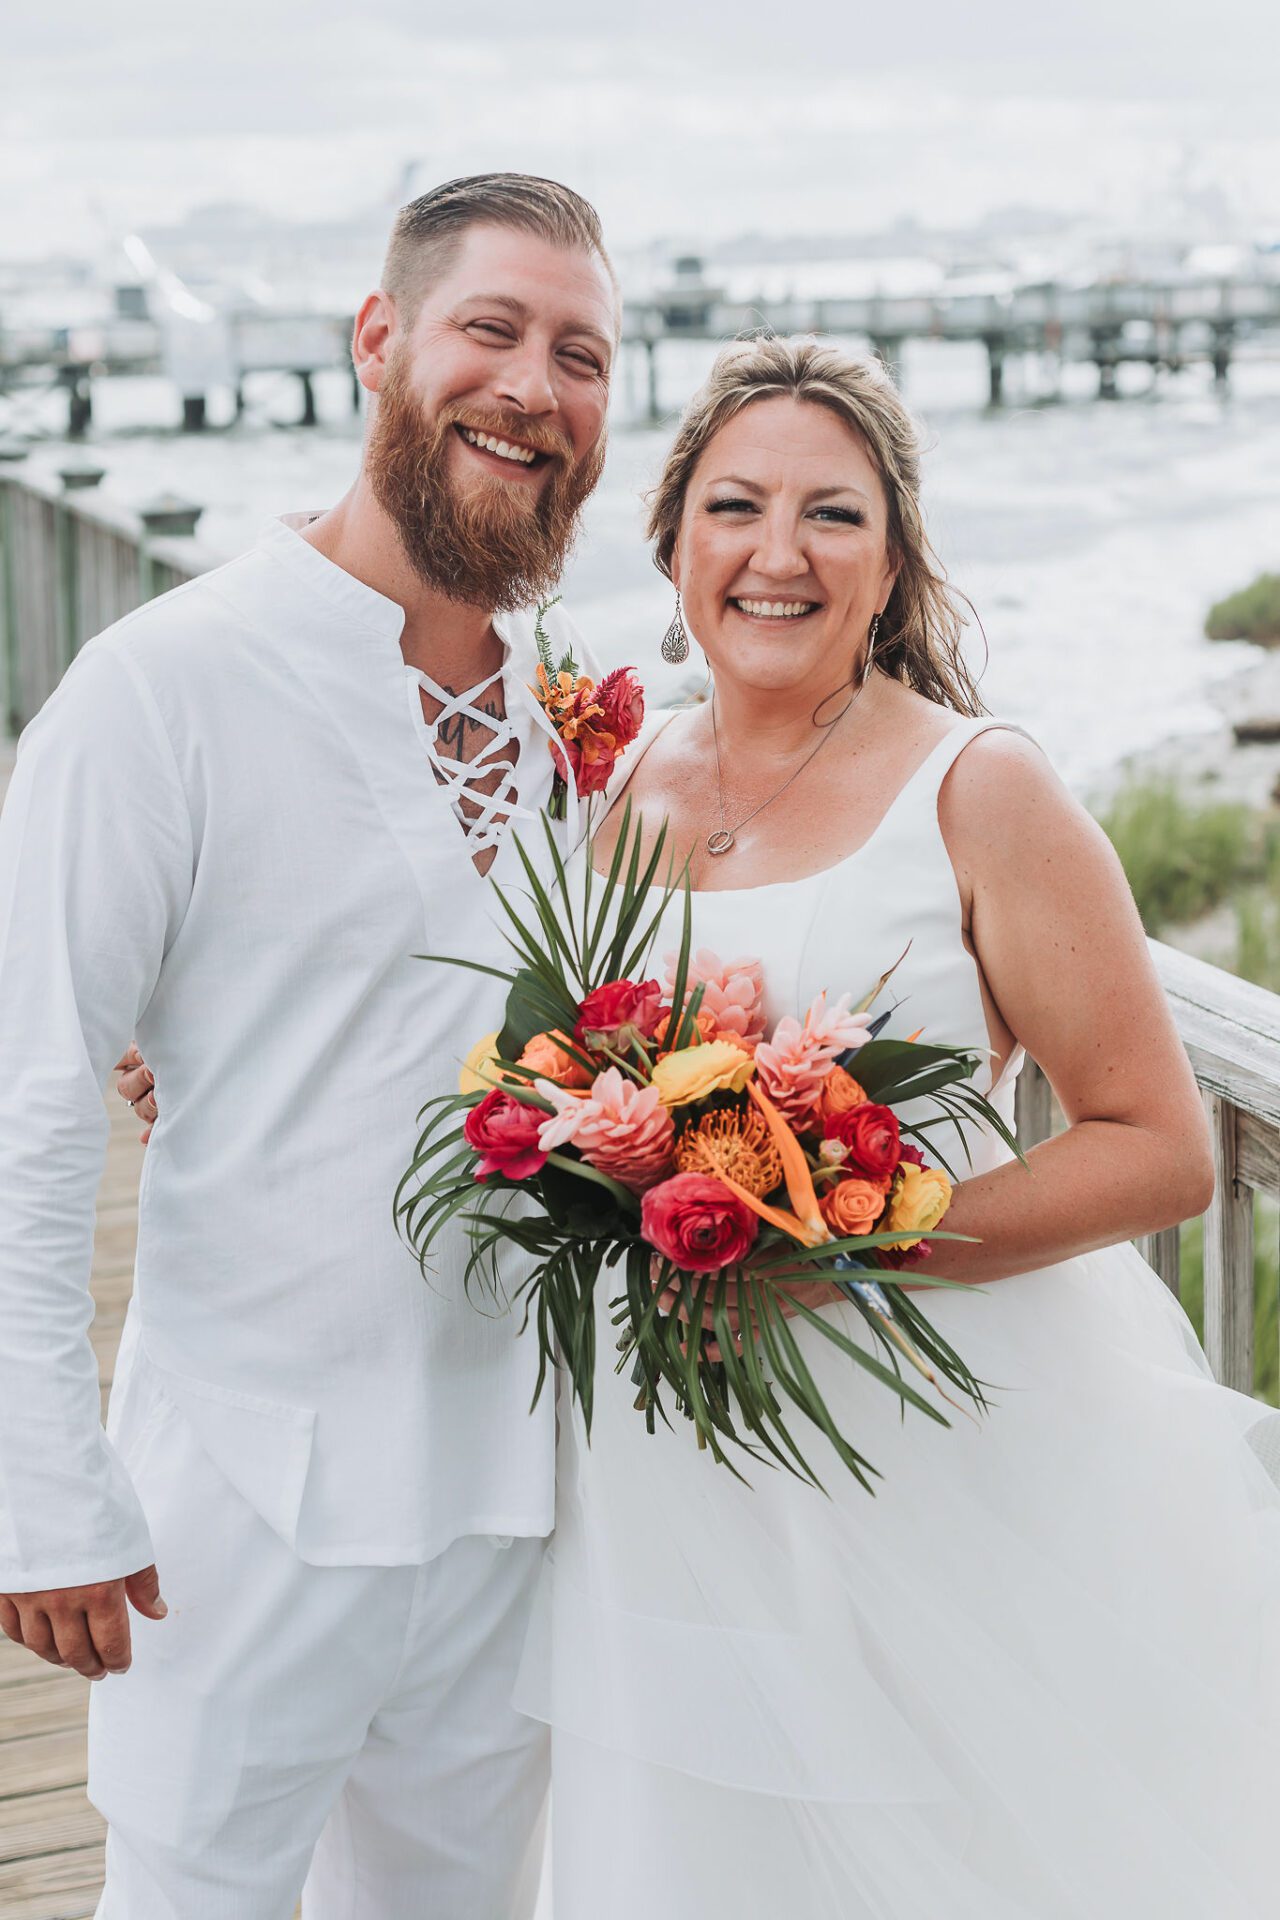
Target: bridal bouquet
{"x": 653, "y": 1131}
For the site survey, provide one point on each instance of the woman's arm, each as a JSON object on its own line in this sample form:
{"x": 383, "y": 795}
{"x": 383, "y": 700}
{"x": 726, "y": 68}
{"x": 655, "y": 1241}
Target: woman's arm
{"x": 1056, "y": 933}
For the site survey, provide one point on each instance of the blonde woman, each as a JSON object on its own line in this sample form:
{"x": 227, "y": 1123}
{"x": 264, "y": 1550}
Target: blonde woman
{"x": 1035, "y": 1678}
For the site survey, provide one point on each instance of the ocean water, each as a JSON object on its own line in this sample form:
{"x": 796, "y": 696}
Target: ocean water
{"x": 1091, "y": 537}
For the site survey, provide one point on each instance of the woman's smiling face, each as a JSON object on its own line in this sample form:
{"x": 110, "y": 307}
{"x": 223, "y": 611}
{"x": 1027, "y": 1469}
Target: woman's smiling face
{"x": 783, "y": 556}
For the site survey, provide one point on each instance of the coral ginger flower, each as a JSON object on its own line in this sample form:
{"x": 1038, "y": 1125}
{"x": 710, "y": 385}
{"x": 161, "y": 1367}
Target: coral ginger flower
{"x": 620, "y": 1128}
{"x": 795, "y": 1065}
{"x": 733, "y": 996}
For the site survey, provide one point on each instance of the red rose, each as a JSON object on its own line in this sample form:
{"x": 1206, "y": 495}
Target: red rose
{"x": 696, "y": 1222}
{"x": 504, "y": 1132}
{"x": 622, "y": 698}
{"x": 593, "y": 769}
{"x": 618, "y": 1012}
{"x": 870, "y": 1133}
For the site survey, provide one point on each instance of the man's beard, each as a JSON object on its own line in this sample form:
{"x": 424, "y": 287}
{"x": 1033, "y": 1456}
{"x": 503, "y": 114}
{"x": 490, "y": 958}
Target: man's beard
{"x": 485, "y": 545}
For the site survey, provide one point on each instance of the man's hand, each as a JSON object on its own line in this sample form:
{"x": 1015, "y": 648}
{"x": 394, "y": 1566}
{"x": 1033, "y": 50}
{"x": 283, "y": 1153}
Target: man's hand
{"x": 787, "y": 1291}
{"x": 83, "y": 1627}
{"x": 137, "y": 1085}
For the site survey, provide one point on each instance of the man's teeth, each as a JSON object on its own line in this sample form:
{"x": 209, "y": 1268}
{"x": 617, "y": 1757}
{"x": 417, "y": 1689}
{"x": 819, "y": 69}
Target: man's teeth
{"x": 504, "y": 450}
{"x": 775, "y": 609}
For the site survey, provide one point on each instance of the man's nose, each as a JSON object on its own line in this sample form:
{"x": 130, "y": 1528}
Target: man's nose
{"x": 526, "y": 383}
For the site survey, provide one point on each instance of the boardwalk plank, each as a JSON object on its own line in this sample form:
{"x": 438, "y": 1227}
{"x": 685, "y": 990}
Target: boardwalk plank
{"x": 61, "y": 1821}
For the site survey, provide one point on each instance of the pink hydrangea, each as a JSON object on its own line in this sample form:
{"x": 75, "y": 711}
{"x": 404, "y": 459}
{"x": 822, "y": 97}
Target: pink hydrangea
{"x": 733, "y": 996}
{"x": 621, "y": 1128}
{"x": 794, "y": 1064}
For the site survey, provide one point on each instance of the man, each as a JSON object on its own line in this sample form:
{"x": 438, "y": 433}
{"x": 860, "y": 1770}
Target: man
{"x": 326, "y": 1462}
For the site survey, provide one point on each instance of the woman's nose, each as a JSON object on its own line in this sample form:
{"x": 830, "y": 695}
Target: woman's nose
{"x": 778, "y": 551}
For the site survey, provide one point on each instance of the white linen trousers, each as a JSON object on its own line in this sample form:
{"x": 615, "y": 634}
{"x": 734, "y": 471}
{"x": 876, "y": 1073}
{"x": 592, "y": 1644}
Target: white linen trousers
{"x": 363, "y": 1712}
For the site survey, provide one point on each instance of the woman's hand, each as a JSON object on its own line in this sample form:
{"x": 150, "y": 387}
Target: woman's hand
{"x": 137, "y": 1085}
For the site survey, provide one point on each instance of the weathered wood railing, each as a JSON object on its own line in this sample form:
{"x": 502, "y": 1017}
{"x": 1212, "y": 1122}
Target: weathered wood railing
{"x": 1231, "y": 1030}
{"x": 70, "y": 564}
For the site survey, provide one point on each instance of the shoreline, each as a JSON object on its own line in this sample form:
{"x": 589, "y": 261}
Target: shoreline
{"x": 1211, "y": 764}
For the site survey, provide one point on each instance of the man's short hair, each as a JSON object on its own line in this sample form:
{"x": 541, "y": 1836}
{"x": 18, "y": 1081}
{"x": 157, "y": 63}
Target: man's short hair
{"x": 429, "y": 231}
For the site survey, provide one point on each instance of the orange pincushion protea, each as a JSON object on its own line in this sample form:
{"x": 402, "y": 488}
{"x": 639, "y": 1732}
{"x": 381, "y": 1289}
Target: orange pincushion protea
{"x": 737, "y": 1145}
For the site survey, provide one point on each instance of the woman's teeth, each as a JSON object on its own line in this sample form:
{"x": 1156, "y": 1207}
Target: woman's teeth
{"x": 775, "y": 609}
{"x": 503, "y": 448}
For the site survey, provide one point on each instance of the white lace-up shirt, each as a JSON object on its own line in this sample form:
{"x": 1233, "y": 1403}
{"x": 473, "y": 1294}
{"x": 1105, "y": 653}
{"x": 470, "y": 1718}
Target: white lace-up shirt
{"x": 222, "y": 836}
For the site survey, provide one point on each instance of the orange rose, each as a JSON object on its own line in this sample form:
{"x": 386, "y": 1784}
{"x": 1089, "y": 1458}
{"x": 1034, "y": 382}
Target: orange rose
{"x": 852, "y": 1207}
{"x": 546, "y": 1057}
{"x": 840, "y": 1091}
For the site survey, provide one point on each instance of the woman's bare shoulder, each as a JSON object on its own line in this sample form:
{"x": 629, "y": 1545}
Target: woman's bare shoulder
{"x": 1004, "y": 808}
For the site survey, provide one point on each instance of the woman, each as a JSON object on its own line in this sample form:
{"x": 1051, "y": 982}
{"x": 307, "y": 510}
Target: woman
{"x": 1032, "y": 1678}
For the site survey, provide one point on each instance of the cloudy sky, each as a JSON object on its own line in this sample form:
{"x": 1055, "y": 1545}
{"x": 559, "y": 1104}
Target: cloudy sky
{"x": 776, "y": 115}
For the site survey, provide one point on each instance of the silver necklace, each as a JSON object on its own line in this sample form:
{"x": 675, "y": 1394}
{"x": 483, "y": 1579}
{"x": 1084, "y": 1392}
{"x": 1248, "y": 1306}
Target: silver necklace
{"x": 722, "y": 841}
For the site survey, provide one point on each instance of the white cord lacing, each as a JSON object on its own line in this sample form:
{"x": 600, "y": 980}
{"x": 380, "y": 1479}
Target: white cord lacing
{"x": 482, "y": 816}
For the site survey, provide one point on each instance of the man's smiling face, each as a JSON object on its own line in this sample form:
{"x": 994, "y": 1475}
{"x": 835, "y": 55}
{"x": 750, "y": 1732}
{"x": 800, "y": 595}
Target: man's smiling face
{"x": 489, "y": 432}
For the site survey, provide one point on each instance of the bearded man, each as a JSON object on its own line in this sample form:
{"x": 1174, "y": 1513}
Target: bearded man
{"x": 330, "y": 1467}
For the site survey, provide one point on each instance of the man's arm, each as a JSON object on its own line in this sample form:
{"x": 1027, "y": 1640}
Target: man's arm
{"x": 95, "y": 874}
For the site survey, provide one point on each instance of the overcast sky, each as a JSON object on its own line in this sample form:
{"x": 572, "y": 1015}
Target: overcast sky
{"x": 795, "y": 115}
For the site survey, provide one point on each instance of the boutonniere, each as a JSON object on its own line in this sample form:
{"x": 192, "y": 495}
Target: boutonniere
{"x": 593, "y": 722}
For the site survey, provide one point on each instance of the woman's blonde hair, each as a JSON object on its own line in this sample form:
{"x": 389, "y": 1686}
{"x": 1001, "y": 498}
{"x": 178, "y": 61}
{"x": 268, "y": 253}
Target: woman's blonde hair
{"x": 918, "y": 639}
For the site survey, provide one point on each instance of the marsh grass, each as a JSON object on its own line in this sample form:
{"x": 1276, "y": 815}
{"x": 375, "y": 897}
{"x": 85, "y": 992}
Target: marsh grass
{"x": 1251, "y": 614}
{"x": 1182, "y": 859}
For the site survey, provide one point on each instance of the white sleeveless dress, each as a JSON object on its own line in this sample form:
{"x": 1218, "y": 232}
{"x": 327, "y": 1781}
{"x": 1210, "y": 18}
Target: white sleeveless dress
{"x": 1037, "y": 1677}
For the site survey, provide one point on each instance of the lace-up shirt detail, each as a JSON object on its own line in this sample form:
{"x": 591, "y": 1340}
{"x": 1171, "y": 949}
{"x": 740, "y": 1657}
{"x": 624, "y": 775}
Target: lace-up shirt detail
{"x": 482, "y": 791}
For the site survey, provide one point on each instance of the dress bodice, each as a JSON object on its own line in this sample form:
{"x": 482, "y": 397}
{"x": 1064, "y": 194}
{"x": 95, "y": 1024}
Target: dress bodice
{"x": 839, "y": 929}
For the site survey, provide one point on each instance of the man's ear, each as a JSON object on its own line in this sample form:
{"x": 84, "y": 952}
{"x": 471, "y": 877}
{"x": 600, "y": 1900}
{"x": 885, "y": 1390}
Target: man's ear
{"x": 372, "y": 339}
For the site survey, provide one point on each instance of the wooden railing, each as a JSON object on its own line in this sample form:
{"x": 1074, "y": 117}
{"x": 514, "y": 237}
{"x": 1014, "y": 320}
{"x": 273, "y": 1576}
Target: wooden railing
{"x": 70, "y": 564}
{"x": 1231, "y": 1030}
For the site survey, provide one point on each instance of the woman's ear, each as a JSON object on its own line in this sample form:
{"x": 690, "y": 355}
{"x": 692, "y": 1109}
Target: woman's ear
{"x": 675, "y": 566}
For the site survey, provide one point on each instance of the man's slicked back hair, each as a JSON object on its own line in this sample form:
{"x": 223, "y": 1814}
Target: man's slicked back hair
{"x": 429, "y": 231}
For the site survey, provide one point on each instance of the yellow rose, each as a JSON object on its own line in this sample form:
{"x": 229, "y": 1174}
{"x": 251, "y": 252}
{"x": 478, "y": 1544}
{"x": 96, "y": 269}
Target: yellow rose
{"x": 920, "y": 1197}
{"x": 696, "y": 1072}
{"x": 479, "y": 1068}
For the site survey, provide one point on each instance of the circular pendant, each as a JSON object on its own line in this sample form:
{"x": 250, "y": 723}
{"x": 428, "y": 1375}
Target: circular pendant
{"x": 719, "y": 842}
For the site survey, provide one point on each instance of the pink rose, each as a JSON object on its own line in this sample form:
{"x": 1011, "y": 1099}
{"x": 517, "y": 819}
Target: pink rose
{"x": 697, "y": 1223}
{"x": 504, "y": 1132}
{"x": 614, "y": 1014}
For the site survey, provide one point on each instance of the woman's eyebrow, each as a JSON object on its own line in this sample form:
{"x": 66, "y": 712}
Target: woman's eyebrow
{"x": 753, "y": 486}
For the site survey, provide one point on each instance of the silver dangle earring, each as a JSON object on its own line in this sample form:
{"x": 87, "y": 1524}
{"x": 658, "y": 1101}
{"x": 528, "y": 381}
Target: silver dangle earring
{"x": 675, "y": 641}
{"x": 872, "y": 631}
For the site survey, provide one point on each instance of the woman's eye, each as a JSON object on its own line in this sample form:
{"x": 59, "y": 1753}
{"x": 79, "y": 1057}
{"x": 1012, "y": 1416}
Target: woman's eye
{"x": 846, "y": 516}
{"x": 730, "y": 506}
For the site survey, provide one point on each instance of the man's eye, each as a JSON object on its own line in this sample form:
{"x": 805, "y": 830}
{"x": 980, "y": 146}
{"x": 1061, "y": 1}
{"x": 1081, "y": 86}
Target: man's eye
{"x": 586, "y": 361}
{"x": 490, "y": 326}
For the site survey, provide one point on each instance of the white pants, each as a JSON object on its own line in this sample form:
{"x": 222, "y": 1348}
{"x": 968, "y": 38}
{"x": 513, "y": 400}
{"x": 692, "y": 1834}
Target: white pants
{"x": 347, "y": 1726}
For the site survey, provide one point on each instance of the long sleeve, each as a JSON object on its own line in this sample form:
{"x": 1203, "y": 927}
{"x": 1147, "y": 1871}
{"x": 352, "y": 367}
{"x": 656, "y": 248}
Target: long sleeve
{"x": 96, "y": 867}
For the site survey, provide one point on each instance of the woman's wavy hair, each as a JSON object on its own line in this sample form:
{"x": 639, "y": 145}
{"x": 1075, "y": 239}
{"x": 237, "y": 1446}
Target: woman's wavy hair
{"x": 918, "y": 640}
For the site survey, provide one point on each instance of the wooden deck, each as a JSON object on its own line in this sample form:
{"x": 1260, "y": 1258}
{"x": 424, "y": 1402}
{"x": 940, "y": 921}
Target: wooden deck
{"x": 50, "y": 1837}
